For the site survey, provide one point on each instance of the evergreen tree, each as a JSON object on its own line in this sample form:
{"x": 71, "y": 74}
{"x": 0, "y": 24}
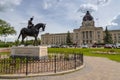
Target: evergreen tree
{"x": 68, "y": 39}
{"x": 107, "y": 37}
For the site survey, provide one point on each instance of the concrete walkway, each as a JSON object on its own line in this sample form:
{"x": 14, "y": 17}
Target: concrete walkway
{"x": 95, "y": 69}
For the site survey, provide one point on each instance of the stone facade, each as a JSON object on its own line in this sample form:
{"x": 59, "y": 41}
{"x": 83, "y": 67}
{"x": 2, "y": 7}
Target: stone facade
{"x": 115, "y": 35}
{"x": 50, "y": 39}
{"x": 88, "y": 34}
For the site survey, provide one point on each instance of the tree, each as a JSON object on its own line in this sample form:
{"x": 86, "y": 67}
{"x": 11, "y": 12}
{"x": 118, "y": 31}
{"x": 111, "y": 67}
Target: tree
{"x": 108, "y": 37}
{"x": 6, "y": 29}
{"x": 68, "y": 39}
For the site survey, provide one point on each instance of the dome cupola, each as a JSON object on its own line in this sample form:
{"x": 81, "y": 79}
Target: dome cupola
{"x": 87, "y": 17}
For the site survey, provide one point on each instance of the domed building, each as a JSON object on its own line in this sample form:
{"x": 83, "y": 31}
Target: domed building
{"x": 87, "y": 33}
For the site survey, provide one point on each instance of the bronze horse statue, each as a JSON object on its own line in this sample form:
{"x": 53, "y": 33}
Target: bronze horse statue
{"x": 34, "y": 31}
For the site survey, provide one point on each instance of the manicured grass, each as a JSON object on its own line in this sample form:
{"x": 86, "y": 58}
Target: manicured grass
{"x": 4, "y": 53}
{"x": 97, "y": 52}
{"x": 112, "y": 54}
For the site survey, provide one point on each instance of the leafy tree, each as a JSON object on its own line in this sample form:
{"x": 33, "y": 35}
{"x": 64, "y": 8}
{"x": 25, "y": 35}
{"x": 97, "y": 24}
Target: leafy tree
{"x": 6, "y": 29}
{"x": 68, "y": 39}
{"x": 108, "y": 37}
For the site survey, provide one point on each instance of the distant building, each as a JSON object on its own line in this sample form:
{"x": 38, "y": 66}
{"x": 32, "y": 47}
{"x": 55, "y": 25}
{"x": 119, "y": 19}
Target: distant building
{"x": 58, "y": 39}
{"x": 115, "y": 35}
{"x": 88, "y": 34}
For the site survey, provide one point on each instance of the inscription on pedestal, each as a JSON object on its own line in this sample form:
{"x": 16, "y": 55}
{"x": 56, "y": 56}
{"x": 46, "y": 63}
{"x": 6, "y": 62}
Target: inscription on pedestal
{"x": 30, "y": 51}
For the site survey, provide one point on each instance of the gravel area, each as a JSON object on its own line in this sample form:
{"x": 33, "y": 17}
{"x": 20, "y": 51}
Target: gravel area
{"x": 95, "y": 69}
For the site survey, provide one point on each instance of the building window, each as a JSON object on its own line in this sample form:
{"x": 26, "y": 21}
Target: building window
{"x": 83, "y": 41}
{"x": 86, "y": 34}
{"x": 87, "y": 41}
{"x": 76, "y": 35}
{"x": 90, "y": 34}
{"x": 90, "y": 41}
{"x": 83, "y": 34}
{"x": 98, "y": 36}
{"x": 99, "y": 41}
{"x": 98, "y": 33}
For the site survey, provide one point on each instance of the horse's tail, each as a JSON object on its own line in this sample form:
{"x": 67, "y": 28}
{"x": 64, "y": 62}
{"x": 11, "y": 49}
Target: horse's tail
{"x": 19, "y": 35}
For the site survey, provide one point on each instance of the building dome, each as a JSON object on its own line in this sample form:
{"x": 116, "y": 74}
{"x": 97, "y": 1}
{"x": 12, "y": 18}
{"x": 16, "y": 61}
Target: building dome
{"x": 87, "y": 17}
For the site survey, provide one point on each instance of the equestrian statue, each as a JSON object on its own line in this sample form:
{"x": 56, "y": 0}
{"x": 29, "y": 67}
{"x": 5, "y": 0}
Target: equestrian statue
{"x": 31, "y": 30}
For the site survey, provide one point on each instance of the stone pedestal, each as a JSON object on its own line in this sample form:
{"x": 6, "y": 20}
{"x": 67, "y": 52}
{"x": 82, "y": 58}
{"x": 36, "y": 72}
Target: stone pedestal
{"x": 29, "y": 51}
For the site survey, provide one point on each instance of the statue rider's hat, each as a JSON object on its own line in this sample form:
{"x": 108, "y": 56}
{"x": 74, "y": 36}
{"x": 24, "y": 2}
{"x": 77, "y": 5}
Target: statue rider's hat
{"x": 32, "y": 17}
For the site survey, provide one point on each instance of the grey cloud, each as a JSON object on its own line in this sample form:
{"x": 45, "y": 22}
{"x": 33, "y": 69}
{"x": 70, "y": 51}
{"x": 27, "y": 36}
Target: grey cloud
{"x": 115, "y": 23}
{"x": 92, "y": 5}
{"x": 50, "y": 3}
{"x": 87, "y": 7}
{"x": 8, "y": 4}
{"x": 102, "y": 2}
{"x": 117, "y": 20}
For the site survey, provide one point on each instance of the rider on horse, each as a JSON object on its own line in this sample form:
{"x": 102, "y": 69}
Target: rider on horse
{"x": 30, "y": 24}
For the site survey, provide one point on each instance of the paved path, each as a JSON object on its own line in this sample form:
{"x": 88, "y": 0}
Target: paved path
{"x": 95, "y": 69}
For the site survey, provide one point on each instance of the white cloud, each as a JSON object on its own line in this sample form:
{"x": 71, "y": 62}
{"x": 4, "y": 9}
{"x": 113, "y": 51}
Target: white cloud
{"x": 46, "y": 5}
{"x": 117, "y": 20}
{"x": 115, "y": 23}
{"x": 87, "y": 7}
{"x": 8, "y": 4}
{"x": 92, "y": 5}
{"x": 97, "y": 2}
{"x": 102, "y": 2}
{"x": 50, "y": 3}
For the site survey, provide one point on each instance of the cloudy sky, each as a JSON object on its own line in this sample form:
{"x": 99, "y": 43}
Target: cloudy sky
{"x": 59, "y": 15}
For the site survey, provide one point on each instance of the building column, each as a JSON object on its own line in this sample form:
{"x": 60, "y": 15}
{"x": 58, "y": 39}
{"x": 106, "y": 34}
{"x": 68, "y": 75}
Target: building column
{"x": 90, "y": 37}
{"x": 85, "y": 37}
{"x": 93, "y": 37}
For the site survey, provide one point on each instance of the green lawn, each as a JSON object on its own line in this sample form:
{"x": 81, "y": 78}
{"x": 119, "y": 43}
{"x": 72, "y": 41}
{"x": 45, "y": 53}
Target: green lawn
{"x": 112, "y": 54}
{"x": 97, "y": 52}
{"x": 4, "y": 53}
